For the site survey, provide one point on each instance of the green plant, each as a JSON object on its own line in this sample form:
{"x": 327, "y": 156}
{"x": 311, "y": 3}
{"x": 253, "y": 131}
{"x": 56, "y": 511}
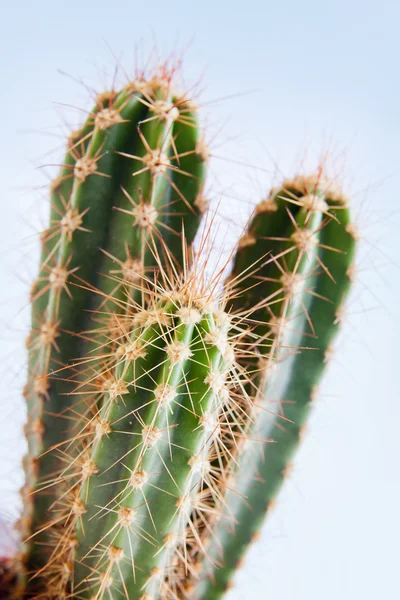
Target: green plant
{"x": 164, "y": 406}
{"x": 305, "y": 278}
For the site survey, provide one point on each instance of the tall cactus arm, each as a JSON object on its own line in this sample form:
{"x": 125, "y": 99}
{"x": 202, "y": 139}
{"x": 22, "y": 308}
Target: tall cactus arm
{"x": 132, "y": 174}
{"x": 311, "y": 267}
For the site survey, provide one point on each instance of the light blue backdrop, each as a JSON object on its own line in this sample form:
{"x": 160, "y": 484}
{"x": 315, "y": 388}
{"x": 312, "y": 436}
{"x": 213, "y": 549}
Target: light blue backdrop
{"x": 287, "y": 81}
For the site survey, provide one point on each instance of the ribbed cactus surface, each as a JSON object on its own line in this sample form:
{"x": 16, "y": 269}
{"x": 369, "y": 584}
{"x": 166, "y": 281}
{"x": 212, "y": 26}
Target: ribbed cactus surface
{"x": 295, "y": 264}
{"x": 130, "y": 187}
{"x": 150, "y": 457}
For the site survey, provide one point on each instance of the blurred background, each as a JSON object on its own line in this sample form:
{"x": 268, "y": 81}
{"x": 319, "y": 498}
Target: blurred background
{"x": 281, "y": 86}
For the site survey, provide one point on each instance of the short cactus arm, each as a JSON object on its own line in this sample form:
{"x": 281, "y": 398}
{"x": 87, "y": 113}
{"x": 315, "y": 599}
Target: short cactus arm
{"x": 145, "y": 471}
{"x": 285, "y": 392}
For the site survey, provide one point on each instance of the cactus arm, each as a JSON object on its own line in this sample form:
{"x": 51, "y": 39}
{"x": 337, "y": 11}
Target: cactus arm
{"x": 262, "y": 467}
{"x": 99, "y": 180}
{"x": 144, "y": 481}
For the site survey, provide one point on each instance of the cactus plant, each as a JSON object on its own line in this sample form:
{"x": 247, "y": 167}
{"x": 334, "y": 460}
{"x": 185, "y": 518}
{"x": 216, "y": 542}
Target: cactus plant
{"x": 163, "y": 405}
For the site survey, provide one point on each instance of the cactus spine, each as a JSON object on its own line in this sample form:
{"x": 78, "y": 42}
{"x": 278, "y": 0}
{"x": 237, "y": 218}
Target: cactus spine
{"x": 164, "y": 409}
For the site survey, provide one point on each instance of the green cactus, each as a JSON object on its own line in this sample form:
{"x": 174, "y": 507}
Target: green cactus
{"x": 305, "y": 228}
{"x": 130, "y": 185}
{"x": 164, "y": 407}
